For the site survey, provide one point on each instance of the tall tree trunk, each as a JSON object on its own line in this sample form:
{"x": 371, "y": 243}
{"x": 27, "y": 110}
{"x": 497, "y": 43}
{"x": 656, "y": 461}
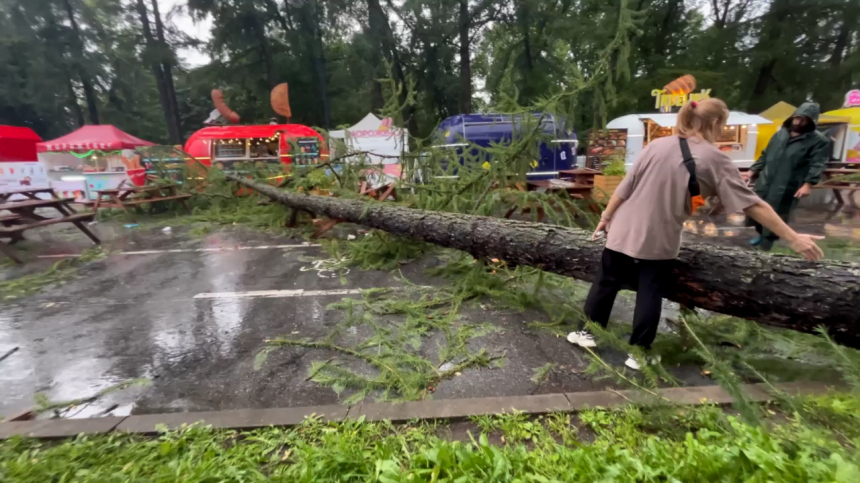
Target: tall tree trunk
{"x": 523, "y": 17}
{"x": 375, "y": 19}
{"x": 166, "y": 56}
{"x": 83, "y": 74}
{"x": 155, "y": 66}
{"x": 379, "y": 27}
{"x": 778, "y": 291}
{"x": 265, "y": 48}
{"x": 322, "y": 76}
{"x": 850, "y": 15}
{"x": 769, "y": 40}
{"x": 672, "y": 14}
{"x": 73, "y": 101}
{"x": 465, "y": 59}
{"x": 312, "y": 32}
{"x": 60, "y": 61}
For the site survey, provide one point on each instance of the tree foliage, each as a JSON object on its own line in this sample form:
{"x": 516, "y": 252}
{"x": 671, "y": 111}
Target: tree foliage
{"x": 70, "y": 62}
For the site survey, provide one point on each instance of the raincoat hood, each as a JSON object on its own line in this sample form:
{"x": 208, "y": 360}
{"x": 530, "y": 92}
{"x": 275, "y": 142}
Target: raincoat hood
{"x": 809, "y": 109}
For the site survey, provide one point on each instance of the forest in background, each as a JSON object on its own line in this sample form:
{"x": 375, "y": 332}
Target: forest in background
{"x": 65, "y": 63}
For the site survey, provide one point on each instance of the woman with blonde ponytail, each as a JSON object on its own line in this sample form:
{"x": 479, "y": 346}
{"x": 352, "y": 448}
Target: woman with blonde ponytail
{"x": 647, "y": 211}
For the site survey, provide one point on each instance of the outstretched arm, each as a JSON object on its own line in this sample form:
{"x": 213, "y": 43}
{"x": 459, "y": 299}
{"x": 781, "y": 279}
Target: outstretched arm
{"x": 802, "y": 244}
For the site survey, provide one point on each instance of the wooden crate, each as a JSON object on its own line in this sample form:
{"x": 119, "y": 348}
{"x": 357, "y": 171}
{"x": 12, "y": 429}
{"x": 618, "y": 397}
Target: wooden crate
{"x": 604, "y": 186}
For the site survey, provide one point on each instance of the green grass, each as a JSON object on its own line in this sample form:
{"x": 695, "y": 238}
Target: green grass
{"x": 689, "y": 444}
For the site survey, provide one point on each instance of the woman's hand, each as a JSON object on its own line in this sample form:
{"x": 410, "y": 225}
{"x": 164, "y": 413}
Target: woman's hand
{"x": 804, "y": 245}
{"x": 601, "y": 230}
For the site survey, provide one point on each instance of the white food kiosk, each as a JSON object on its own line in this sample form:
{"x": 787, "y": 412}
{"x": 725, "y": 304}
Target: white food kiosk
{"x": 738, "y": 139}
{"x": 383, "y": 143}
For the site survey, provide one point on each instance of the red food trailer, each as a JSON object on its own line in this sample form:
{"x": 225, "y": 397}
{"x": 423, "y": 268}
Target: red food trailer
{"x": 223, "y": 146}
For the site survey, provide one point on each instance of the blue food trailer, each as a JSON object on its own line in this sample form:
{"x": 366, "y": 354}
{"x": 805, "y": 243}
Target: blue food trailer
{"x": 557, "y": 148}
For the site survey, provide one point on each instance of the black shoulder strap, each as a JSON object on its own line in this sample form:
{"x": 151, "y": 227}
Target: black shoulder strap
{"x": 691, "y": 168}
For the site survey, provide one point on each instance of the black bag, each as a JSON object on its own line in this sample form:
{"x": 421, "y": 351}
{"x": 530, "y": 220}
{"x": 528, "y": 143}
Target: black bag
{"x": 693, "y": 185}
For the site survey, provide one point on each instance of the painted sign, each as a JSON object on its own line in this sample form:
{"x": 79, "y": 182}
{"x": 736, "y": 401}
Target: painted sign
{"x": 384, "y": 130}
{"x": 853, "y": 152}
{"x": 22, "y": 174}
{"x": 663, "y": 100}
{"x": 852, "y": 98}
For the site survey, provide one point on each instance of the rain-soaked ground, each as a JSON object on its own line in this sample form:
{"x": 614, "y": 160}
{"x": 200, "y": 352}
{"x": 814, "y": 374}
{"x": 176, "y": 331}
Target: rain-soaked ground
{"x": 191, "y": 313}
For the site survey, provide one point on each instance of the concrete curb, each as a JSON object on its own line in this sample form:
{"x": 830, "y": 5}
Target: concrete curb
{"x": 451, "y": 409}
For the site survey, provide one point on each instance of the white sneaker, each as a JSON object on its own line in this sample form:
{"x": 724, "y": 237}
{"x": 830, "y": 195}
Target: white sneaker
{"x": 632, "y": 363}
{"x": 582, "y": 338}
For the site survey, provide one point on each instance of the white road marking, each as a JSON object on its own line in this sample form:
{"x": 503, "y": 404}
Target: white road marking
{"x": 189, "y": 250}
{"x": 277, "y": 293}
{"x": 219, "y": 249}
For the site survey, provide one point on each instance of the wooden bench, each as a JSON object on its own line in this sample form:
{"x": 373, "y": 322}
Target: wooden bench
{"x": 10, "y": 231}
{"x": 31, "y": 193}
{"x": 142, "y": 201}
{"x": 579, "y": 175}
{"x": 23, "y": 217}
{"x": 27, "y": 208}
{"x": 9, "y": 219}
{"x": 832, "y": 182}
{"x": 125, "y": 197}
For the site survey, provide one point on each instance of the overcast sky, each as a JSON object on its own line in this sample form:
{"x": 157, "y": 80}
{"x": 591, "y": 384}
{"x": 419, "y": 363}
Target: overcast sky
{"x": 197, "y": 29}
{"x": 176, "y": 11}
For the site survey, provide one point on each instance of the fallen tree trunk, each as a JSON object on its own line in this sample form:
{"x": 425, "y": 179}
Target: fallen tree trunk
{"x": 773, "y": 290}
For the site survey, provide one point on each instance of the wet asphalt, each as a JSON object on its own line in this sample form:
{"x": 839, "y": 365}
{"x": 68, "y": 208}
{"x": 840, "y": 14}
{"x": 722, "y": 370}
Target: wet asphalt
{"x": 152, "y": 315}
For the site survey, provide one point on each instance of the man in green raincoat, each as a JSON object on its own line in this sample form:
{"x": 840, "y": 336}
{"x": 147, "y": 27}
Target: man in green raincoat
{"x": 789, "y": 167}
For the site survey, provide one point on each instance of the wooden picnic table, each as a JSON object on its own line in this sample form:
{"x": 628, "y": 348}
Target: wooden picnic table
{"x": 126, "y": 196}
{"x": 579, "y": 175}
{"x": 830, "y": 180}
{"x": 22, "y": 216}
{"x": 838, "y": 171}
{"x": 26, "y": 192}
{"x": 574, "y": 191}
{"x": 839, "y": 164}
{"x": 385, "y": 192}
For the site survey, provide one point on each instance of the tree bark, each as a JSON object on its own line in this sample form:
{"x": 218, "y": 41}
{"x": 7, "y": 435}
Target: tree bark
{"x": 166, "y": 57}
{"x": 59, "y": 61}
{"x": 772, "y": 290}
{"x": 465, "y": 58}
{"x": 265, "y": 49}
{"x": 767, "y": 47}
{"x": 309, "y": 15}
{"x": 381, "y": 31}
{"x": 155, "y": 66}
{"x": 86, "y": 82}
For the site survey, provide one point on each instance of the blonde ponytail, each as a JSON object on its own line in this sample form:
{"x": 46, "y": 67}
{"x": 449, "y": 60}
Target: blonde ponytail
{"x": 704, "y": 119}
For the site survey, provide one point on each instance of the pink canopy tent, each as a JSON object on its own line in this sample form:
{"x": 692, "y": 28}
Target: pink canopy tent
{"x": 87, "y": 138}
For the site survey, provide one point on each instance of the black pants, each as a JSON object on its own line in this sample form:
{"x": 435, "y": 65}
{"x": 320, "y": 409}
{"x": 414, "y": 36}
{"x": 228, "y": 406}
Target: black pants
{"x": 648, "y": 277}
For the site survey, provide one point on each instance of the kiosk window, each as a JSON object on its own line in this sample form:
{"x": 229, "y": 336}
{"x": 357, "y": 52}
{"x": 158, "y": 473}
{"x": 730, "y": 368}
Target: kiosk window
{"x": 225, "y": 149}
{"x": 263, "y": 148}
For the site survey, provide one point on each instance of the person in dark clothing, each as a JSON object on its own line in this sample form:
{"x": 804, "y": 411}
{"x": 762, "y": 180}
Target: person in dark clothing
{"x": 789, "y": 167}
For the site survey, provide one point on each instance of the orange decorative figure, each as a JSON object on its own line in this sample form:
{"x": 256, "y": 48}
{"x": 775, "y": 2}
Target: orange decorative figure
{"x": 226, "y": 112}
{"x": 280, "y": 99}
